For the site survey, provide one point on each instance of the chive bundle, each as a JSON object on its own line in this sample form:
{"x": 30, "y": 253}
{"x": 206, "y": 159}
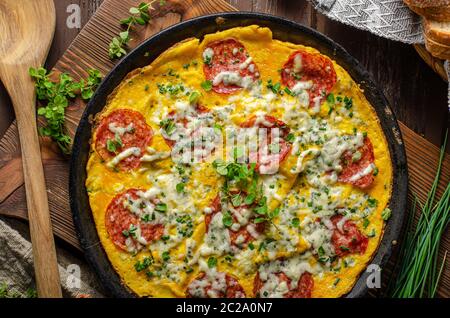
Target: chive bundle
{"x": 418, "y": 270}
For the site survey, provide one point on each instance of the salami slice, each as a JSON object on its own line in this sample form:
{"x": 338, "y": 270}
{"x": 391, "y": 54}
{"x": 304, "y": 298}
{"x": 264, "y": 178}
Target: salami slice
{"x": 241, "y": 236}
{"x": 119, "y": 220}
{"x": 173, "y": 119}
{"x": 123, "y": 129}
{"x": 215, "y": 285}
{"x": 358, "y": 172}
{"x": 269, "y": 156}
{"x": 346, "y": 237}
{"x": 228, "y": 66}
{"x": 315, "y": 72}
{"x": 304, "y": 287}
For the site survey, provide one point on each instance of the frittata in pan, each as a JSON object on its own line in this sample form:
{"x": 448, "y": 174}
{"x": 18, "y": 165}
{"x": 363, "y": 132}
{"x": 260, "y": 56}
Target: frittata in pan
{"x": 239, "y": 166}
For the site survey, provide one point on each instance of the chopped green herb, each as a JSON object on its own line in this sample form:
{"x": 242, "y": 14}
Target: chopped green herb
{"x": 168, "y": 125}
{"x": 227, "y": 219}
{"x": 356, "y": 156}
{"x": 372, "y": 202}
{"x": 375, "y": 171}
{"x": 165, "y": 256}
{"x": 180, "y": 187}
{"x": 144, "y": 264}
{"x": 139, "y": 16}
{"x": 206, "y": 85}
{"x": 161, "y": 207}
{"x": 275, "y": 88}
{"x": 348, "y": 102}
{"x": 290, "y": 137}
{"x": 194, "y": 97}
{"x": 386, "y": 214}
{"x": 366, "y": 223}
{"x": 330, "y": 99}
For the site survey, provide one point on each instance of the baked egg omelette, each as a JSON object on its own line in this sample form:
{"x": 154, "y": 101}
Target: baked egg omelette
{"x": 239, "y": 166}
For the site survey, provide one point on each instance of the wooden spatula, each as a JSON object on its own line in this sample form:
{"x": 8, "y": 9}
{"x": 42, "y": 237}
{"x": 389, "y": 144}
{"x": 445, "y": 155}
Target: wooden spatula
{"x": 26, "y": 33}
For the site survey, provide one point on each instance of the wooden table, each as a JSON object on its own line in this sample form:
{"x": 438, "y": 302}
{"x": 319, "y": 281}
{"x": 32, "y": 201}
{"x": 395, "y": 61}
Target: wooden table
{"x": 417, "y": 95}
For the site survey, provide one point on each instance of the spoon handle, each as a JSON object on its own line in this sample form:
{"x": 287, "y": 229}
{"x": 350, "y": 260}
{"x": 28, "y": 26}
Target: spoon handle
{"x": 44, "y": 254}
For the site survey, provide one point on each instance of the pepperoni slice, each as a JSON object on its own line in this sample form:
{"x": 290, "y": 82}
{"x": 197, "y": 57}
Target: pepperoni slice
{"x": 219, "y": 285}
{"x": 174, "y": 118}
{"x": 303, "y": 66}
{"x": 136, "y": 133}
{"x": 347, "y": 239}
{"x": 241, "y": 236}
{"x": 351, "y": 169}
{"x": 118, "y": 220}
{"x": 267, "y": 160}
{"x": 304, "y": 287}
{"x": 228, "y": 55}
{"x": 267, "y": 122}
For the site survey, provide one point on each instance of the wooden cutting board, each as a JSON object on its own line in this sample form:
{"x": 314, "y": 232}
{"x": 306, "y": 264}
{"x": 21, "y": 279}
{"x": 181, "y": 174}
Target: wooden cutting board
{"x": 90, "y": 50}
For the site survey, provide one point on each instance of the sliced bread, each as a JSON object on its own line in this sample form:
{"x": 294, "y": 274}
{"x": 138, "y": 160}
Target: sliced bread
{"x": 427, "y": 3}
{"x": 437, "y": 31}
{"x": 441, "y": 14}
{"x": 437, "y": 49}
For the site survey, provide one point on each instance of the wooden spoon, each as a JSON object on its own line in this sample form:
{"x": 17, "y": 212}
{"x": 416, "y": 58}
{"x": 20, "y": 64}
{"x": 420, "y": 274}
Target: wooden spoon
{"x": 26, "y": 33}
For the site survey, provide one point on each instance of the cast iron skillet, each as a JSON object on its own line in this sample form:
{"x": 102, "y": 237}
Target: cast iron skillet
{"x": 282, "y": 29}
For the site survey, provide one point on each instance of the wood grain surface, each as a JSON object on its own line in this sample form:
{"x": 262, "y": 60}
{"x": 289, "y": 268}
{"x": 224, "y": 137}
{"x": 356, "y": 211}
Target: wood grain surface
{"x": 417, "y": 95}
{"x": 17, "y": 55}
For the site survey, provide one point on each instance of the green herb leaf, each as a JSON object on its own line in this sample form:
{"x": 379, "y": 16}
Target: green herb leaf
{"x": 212, "y": 262}
{"x": 366, "y": 223}
{"x": 386, "y": 214}
{"x": 259, "y": 220}
{"x": 330, "y": 99}
{"x": 161, "y": 207}
{"x": 57, "y": 95}
{"x": 165, "y": 256}
{"x": 194, "y": 97}
{"x": 206, "y": 85}
{"x": 290, "y": 138}
{"x": 111, "y": 146}
{"x": 375, "y": 171}
{"x": 180, "y": 187}
{"x": 168, "y": 125}
{"x": 227, "y": 219}
{"x": 295, "y": 222}
{"x": 274, "y": 87}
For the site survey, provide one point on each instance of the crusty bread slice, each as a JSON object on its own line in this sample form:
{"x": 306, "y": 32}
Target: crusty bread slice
{"x": 437, "y": 31}
{"x": 427, "y": 3}
{"x": 441, "y": 14}
{"x": 437, "y": 49}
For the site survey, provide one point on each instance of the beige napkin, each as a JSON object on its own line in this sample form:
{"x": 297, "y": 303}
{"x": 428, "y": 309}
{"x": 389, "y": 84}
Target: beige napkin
{"x": 17, "y": 272}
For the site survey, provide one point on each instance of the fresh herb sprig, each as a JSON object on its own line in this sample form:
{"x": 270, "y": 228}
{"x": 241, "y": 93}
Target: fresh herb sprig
{"x": 57, "y": 95}
{"x": 139, "y": 16}
{"x": 418, "y": 270}
{"x": 241, "y": 187}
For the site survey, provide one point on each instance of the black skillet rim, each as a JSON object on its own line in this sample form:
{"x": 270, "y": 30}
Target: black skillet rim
{"x": 283, "y": 29}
